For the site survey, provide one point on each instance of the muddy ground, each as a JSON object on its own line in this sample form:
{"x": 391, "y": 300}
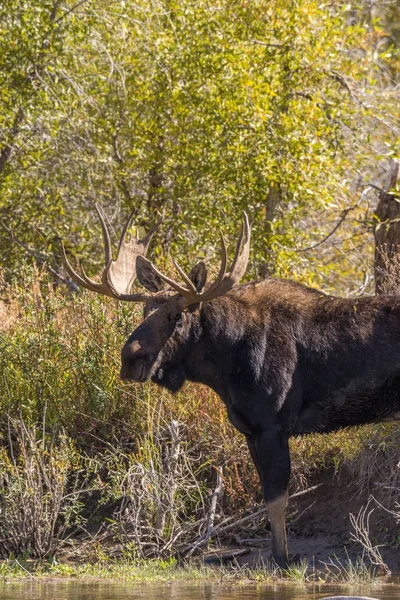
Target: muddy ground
{"x": 322, "y": 528}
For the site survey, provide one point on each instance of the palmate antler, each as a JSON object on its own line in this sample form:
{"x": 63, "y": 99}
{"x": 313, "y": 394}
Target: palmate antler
{"x": 119, "y": 274}
{"x": 225, "y": 281}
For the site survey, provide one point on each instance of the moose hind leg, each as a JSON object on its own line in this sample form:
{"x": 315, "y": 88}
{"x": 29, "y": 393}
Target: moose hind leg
{"x": 273, "y": 462}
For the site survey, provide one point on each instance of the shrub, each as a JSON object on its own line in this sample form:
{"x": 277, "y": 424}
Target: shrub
{"x": 41, "y": 485}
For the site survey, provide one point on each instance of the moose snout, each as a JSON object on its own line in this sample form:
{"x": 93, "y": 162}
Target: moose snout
{"x": 133, "y": 362}
{"x": 133, "y": 372}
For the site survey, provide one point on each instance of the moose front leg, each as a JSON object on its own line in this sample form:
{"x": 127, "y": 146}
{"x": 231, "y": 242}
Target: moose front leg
{"x": 271, "y": 451}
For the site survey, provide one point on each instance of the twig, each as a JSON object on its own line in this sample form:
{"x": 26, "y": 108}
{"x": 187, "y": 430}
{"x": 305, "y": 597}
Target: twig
{"x": 392, "y": 195}
{"x": 297, "y": 519}
{"x": 26, "y": 571}
{"x": 262, "y": 511}
{"x": 361, "y": 535}
{"x": 68, "y": 12}
{"x": 343, "y": 81}
{"x": 223, "y": 529}
{"x": 252, "y": 540}
{"x": 213, "y": 506}
{"x": 267, "y": 44}
{"x": 343, "y": 216}
{"x": 170, "y": 471}
{"x": 205, "y": 538}
{"x": 40, "y": 259}
{"x": 5, "y": 152}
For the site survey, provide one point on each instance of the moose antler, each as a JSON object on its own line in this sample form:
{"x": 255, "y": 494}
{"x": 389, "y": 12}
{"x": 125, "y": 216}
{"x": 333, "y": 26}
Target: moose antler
{"x": 119, "y": 274}
{"x": 225, "y": 281}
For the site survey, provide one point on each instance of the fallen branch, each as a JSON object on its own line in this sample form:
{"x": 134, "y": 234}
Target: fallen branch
{"x": 213, "y": 506}
{"x": 26, "y": 571}
{"x": 261, "y": 511}
{"x": 297, "y": 519}
{"x": 205, "y": 538}
{"x": 253, "y": 541}
{"x": 226, "y": 525}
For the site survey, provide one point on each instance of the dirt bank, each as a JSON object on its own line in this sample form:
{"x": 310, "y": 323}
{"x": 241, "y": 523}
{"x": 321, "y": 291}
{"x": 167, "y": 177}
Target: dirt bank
{"x": 322, "y": 529}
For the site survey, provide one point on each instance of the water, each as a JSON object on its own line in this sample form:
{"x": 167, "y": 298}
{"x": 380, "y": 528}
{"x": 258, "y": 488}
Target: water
{"x": 77, "y": 590}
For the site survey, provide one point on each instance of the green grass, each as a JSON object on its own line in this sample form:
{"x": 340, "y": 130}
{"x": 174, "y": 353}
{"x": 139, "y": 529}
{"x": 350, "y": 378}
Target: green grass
{"x": 349, "y": 574}
{"x": 297, "y": 572}
{"x": 137, "y": 571}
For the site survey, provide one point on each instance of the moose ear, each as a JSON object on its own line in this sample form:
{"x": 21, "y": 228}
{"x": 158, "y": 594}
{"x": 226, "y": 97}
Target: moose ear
{"x": 147, "y": 275}
{"x": 198, "y": 276}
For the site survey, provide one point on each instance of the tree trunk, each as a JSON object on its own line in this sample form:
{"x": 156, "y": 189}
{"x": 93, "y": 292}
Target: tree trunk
{"x": 273, "y": 201}
{"x": 387, "y": 237}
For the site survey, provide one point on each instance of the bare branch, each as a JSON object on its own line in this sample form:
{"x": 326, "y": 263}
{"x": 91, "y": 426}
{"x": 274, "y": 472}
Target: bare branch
{"x": 40, "y": 258}
{"x": 72, "y": 9}
{"x": 343, "y": 216}
{"x": 8, "y": 146}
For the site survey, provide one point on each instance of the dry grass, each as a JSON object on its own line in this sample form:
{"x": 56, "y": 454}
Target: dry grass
{"x": 42, "y": 481}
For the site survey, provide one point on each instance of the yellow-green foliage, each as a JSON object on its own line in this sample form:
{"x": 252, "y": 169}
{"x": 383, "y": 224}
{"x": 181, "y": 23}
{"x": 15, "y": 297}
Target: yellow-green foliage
{"x": 198, "y": 110}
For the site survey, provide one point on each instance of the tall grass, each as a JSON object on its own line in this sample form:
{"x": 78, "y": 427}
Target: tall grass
{"x": 59, "y": 363}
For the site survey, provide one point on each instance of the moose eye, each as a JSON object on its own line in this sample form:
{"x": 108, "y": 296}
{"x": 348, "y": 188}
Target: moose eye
{"x": 175, "y": 319}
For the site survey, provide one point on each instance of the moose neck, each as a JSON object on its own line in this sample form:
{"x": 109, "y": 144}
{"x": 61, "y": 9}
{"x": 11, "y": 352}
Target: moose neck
{"x": 209, "y": 354}
{"x": 209, "y": 358}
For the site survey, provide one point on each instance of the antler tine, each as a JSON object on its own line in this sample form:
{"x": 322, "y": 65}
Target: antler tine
{"x": 224, "y": 259}
{"x": 70, "y": 270}
{"x": 185, "y": 277}
{"x": 125, "y": 229}
{"x": 226, "y": 281}
{"x": 146, "y": 240}
{"x": 121, "y": 273}
{"x": 222, "y": 269}
{"x": 241, "y": 259}
{"x": 176, "y": 286}
{"x": 92, "y": 285}
{"x": 190, "y": 293}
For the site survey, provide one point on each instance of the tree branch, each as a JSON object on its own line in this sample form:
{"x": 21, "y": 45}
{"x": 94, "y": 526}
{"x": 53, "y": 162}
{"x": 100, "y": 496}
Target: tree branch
{"x": 77, "y": 5}
{"x": 8, "y": 146}
{"x": 43, "y": 260}
{"x": 342, "y": 217}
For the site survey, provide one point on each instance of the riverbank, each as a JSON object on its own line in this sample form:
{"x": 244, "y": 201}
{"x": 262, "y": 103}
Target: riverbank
{"x": 254, "y": 570}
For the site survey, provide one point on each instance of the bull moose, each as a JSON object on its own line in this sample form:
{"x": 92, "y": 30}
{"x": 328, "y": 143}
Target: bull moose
{"x": 285, "y": 359}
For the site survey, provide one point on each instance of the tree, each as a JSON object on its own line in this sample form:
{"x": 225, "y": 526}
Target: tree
{"x": 387, "y": 236}
{"x": 192, "y": 109}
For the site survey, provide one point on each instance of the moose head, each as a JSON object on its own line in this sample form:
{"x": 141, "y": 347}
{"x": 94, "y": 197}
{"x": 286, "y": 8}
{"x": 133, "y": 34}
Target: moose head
{"x": 171, "y": 309}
